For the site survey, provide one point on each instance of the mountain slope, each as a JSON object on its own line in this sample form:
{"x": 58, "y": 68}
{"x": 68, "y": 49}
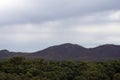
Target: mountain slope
{"x": 70, "y": 52}
{"x": 75, "y": 52}
{"x": 5, "y": 54}
{"x": 62, "y": 52}
{"x": 108, "y": 51}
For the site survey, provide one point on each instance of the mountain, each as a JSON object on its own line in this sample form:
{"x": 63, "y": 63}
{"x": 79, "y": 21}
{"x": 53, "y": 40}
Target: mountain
{"x": 62, "y": 52}
{"x": 70, "y": 51}
{"x": 106, "y": 52}
{"x": 5, "y": 54}
{"x": 75, "y": 52}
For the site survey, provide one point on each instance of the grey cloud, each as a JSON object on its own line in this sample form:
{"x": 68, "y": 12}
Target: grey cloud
{"x": 36, "y": 11}
{"x": 30, "y": 25}
{"x": 33, "y": 38}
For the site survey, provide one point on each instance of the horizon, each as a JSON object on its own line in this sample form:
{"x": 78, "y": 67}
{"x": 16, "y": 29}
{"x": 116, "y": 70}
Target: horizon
{"x": 31, "y": 25}
{"x": 60, "y": 45}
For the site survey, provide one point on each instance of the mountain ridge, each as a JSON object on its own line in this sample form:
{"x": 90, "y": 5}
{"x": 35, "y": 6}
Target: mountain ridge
{"x": 70, "y": 51}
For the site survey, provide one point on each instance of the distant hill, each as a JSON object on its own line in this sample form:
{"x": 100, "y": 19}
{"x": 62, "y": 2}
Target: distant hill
{"x": 5, "y": 54}
{"x": 70, "y": 52}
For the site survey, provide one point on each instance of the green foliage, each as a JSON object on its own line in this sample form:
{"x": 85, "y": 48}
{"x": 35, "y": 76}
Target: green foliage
{"x": 116, "y": 76}
{"x": 16, "y": 61}
{"x": 19, "y": 68}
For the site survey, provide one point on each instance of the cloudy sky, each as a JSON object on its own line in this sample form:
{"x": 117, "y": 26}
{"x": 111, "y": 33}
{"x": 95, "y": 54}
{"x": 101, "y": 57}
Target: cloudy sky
{"x": 31, "y": 25}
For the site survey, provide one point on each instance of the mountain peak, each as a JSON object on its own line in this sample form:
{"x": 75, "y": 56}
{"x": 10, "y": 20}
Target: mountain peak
{"x": 69, "y": 45}
{"x": 4, "y": 51}
{"x": 108, "y": 46}
{"x": 70, "y": 51}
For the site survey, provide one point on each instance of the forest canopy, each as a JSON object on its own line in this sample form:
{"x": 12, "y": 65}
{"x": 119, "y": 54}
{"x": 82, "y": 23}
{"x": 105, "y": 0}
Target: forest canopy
{"x": 19, "y": 68}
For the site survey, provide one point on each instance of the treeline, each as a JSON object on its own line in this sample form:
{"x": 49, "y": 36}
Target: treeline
{"x": 19, "y": 68}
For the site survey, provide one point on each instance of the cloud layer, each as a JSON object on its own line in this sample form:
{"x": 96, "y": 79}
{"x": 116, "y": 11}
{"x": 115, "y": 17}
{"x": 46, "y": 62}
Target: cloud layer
{"x": 30, "y": 25}
{"x": 35, "y": 11}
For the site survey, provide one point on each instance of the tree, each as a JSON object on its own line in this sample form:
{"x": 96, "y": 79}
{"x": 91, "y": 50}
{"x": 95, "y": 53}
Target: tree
{"x": 15, "y": 61}
{"x": 116, "y": 76}
{"x": 2, "y": 76}
{"x": 80, "y": 78}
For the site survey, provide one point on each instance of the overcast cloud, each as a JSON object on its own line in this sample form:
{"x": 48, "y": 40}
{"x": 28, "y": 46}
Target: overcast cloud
{"x": 31, "y": 25}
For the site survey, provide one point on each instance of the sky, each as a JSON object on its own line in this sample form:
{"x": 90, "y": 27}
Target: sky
{"x": 32, "y": 25}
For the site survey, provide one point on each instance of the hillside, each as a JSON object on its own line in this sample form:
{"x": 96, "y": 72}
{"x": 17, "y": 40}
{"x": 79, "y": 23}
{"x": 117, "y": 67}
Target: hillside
{"x": 70, "y": 52}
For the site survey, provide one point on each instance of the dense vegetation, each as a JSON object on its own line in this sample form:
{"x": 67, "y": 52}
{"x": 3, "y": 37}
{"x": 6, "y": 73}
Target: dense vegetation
{"x": 19, "y": 68}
